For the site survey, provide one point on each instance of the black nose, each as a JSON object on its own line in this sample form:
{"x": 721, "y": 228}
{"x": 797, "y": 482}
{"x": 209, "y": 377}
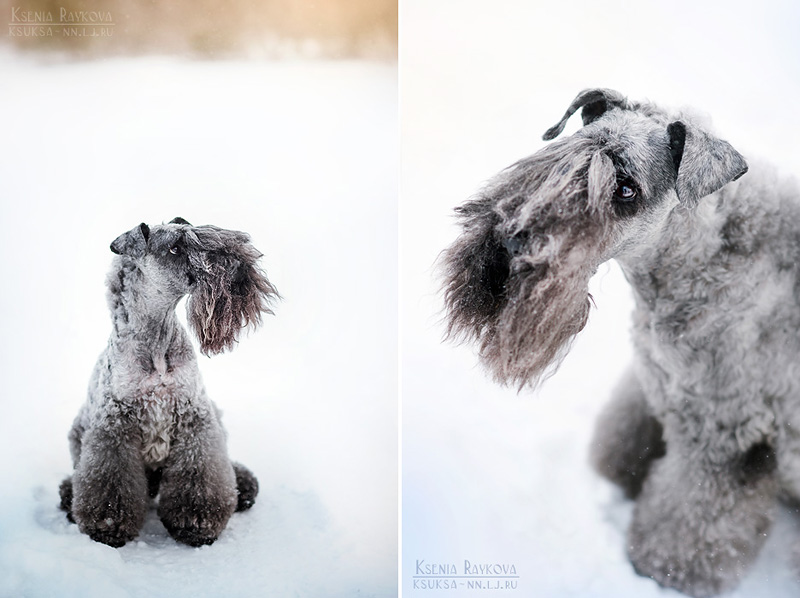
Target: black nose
{"x": 514, "y": 245}
{"x": 113, "y": 247}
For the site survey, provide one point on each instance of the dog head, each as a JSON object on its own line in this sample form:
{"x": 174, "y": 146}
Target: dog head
{"x": 216, "y": 267}
{"x": 516, "y": 279}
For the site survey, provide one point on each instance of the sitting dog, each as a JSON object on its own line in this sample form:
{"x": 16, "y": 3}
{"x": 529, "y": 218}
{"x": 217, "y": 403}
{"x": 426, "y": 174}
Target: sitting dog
{"x": 704, "y": 429}
{"x": 147, "y": 428}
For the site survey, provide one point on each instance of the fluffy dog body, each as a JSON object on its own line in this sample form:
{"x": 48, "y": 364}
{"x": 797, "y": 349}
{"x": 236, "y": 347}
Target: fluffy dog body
{"x": 148, "y": 428}
{"x": 704, "y": 430}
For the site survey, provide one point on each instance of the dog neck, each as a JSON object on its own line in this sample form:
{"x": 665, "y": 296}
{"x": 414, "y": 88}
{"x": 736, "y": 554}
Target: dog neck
{"x": 145, "y": 324}
{"x": 657, "y": 271}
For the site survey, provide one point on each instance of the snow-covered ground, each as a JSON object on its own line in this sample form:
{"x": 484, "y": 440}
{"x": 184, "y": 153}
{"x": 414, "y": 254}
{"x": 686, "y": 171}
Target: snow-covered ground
{"x": 303, "y": 156}
{"x": 490, "y": 475}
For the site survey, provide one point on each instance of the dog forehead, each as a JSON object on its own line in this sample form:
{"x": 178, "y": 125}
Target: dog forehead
{"x": 165, "y": 235}
{"x": 629, "y": 128}
{"x": 636, "y": 141}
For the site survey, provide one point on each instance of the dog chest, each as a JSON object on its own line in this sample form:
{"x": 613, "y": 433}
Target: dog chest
{"x": 156, "y": 407}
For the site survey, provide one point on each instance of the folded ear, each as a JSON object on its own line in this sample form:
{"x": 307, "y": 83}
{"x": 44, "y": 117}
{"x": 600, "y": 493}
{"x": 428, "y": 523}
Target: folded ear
{"x": 595, "y": 103}
{"x": 704, "y": 163}
{"x": 133, "y": 243}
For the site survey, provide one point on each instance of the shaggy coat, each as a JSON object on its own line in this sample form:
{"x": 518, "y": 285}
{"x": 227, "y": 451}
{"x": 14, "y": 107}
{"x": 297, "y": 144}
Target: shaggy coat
{"x": 148, "y": 428}
{"x": 704, "y": 430}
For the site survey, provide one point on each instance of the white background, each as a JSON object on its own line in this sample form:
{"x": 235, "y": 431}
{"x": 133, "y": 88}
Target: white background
{"x": 303, "y": 156}
{"x": 490, "y": 475}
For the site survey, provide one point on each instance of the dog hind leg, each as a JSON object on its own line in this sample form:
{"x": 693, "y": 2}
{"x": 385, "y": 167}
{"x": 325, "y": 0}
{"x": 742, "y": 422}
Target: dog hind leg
{"x": 65, "y": 493}
{"x": 627, "y": 438}
{"x": 246, "y": 486}
{"x": 65, "y": 488}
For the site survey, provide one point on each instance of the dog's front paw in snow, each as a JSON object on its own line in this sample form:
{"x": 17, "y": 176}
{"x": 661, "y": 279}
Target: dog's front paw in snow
{"x": 698, "y": 527}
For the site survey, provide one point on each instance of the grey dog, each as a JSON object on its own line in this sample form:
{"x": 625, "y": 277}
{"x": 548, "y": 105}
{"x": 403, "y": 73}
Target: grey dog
{"x": 148, "y": 428}
{"x": 704, "y": 429}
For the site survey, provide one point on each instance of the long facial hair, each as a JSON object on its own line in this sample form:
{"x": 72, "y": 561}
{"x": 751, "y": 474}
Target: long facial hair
{"x": 231, "y": 291}
{"x": 516, "y": 281}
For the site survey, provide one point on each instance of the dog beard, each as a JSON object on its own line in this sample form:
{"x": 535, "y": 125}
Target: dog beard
{"x": 517, "y": 279}
{"x": 231, "y": 292}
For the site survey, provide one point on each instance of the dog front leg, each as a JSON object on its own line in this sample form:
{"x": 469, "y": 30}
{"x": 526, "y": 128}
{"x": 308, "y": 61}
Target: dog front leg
{"x": 698, "y": 525}
{"x": 109, "y": 487}
{"x": 198, "y": 484}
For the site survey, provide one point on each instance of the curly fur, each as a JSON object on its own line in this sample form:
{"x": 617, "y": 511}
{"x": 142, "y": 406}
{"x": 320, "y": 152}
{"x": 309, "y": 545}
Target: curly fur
{"x": 704, "y": 430}
{"x": 147, "y": 428}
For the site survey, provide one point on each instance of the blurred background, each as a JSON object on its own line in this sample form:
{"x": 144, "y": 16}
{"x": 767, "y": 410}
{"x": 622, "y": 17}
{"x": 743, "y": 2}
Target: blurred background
{"x": 277, "y": 118}
{"x": 205, "y": 28}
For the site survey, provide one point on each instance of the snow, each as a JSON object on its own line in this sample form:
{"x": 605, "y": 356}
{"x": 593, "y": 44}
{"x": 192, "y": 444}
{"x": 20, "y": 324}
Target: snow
{"x": 499, "y": 477}
{"x": 303, "y": 156}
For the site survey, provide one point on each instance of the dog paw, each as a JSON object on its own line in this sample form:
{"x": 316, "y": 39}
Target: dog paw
{"x": 109, "y": 517}
{"x": 196, "y": 519}
{"x": 113, "y": 527}
{"x": 195, "y": 529}
{"x": 246, "y": 486}
{"x": 698, "y": 530}
{"x": 701, "y": 571}
{"x": 113, "y": 533}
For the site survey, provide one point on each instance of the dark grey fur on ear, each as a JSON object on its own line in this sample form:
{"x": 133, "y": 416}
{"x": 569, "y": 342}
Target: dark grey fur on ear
{"x": 707, "y": 163}
{"x": 133, "y": 243}
{"x": 595, "y": 103}
{"x": 179, "y": 220}
{"x": 677, "y": 140}
{"x": 231, "y": 291}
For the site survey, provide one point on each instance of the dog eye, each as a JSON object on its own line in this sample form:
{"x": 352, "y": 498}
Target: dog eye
{"x": 175, "y": 250}
{"x": 626, "y": 191}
